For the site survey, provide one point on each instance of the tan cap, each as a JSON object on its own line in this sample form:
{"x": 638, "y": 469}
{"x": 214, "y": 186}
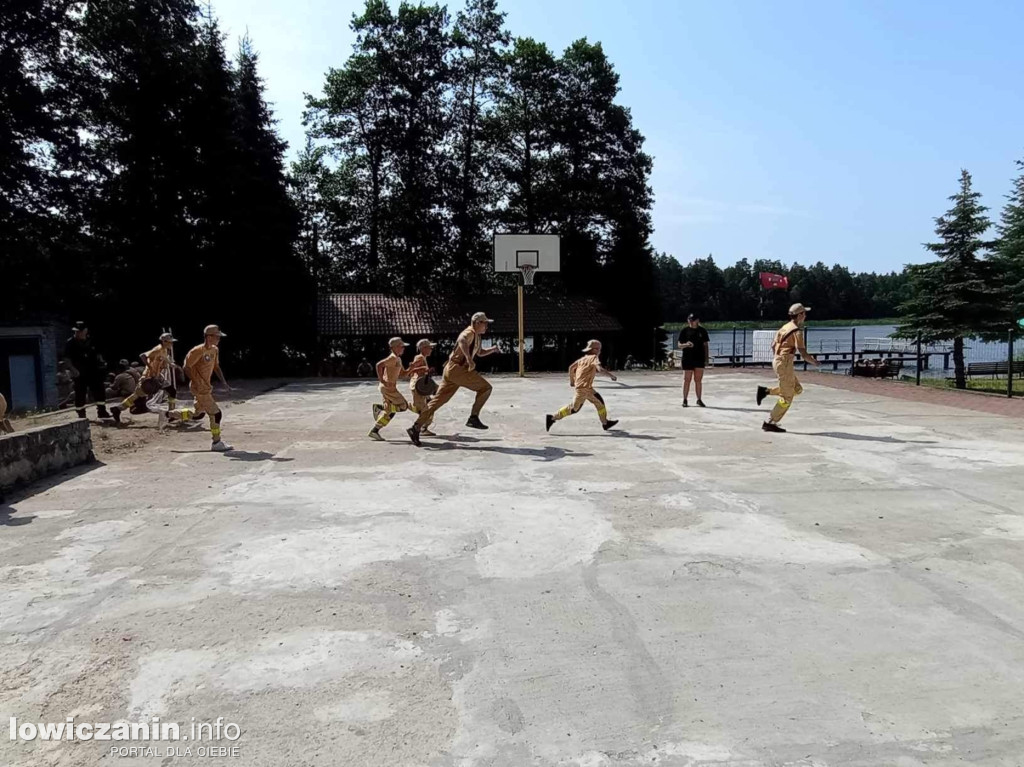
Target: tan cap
{"x": 169, "y": 337}
{"x": 396, "y": 340}
{"x": 796, "y": 309}
{"x": 213, "y": 330}
{"x": 481, "y": 317}
{"x": 592, "y": 344}
{"x": 425, "y": 342}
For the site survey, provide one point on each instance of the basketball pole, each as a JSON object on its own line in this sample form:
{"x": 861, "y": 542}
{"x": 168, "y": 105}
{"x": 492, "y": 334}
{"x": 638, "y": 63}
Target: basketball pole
{"x": 522, "y": 341}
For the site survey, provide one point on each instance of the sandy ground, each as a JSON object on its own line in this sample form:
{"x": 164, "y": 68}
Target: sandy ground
{"x": 685, "y": 590}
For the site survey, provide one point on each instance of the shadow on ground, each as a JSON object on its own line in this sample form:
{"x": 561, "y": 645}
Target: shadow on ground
{"x": 543, "y": 454}
{"x": 866, "y": 438}
{"x": 24, "y": 492}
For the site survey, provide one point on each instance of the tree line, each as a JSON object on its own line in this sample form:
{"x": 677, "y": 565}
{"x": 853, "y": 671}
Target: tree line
{"x": 735, "y": 293}
{"x": 142, "y": 180}
{"x": 975, "y": 287}
{"x": 438, "y": 131}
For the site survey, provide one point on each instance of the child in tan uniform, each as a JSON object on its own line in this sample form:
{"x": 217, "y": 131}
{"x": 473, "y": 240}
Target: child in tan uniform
{"x": 419, "y": 371}
{"x": 158, "y": 360}
{"x": 789, "y": 341}
{"x": 201, "y": 363}
{"x": 389, "y": 370}
{"x": 581, "y": 377}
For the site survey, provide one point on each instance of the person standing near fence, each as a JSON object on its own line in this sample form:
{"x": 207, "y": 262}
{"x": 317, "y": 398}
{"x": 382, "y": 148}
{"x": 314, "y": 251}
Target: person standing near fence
{"x": 696, "y": 345}
{"x": 788, "y": 341}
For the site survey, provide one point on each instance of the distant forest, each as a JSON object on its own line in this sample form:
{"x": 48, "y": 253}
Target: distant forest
{"x": 734, "y": 293}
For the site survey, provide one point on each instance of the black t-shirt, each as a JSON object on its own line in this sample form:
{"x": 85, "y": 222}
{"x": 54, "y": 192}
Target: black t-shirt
{"x": 698, "y": 336}
{"x": 83, "y": 355}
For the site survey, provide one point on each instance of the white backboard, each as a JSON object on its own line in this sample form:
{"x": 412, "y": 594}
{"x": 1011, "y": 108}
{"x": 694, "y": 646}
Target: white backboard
{"x": 514, "y": 250}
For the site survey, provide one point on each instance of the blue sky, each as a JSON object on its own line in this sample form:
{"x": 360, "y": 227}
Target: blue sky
{"x": 803, "y": 131}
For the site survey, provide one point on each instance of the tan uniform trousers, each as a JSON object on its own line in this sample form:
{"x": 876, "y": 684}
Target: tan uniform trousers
{"x": 456, "y": 377}
{"x": 420, "y": 403}
{"x": 788, "y": 386}
{"x": 584, "y": 394}
{"x": 393, "y": 399}
{"x": 204, "y": 399}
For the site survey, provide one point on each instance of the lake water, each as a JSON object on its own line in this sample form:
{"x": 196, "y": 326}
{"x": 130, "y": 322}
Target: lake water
{"x": 836, "y": 339}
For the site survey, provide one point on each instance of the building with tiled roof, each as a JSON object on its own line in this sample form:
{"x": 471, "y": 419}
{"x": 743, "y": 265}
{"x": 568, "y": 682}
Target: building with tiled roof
{"x": 352, "y": 326}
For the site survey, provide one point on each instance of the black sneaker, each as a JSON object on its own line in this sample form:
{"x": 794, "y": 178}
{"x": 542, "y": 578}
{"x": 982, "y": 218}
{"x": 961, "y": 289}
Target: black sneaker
{"x": 101, "y": 412}
{"x": 773, "y": 427}
{"x": 700, "y": 403}
{"x": 414, "y": 434}
{"x": 762, "y": 392}
{"x": 685, "y": 403}
{"x": 115, "y": 413}
{"x": 549, "y": 420}
{"x": 475, "y": 423}
{"x": 80, "y": 413}
{"x": 608, "y": 424}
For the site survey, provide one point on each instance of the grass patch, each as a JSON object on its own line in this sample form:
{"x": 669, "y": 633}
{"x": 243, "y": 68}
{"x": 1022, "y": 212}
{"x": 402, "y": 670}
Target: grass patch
{"x": 776, "y": 324}
{"x": 993, "y": 385}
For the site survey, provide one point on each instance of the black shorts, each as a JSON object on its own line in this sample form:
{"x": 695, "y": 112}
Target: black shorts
{"x": 693, "y": 364}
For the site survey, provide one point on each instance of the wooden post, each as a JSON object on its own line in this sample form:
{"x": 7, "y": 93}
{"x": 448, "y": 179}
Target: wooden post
{"x": 522, "y": 340}
{"x": 1009, "y": 363}
{"x": 918, "y": 359}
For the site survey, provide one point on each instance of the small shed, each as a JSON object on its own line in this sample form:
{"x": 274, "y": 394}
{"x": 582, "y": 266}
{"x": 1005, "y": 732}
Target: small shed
{"x": 29, "y": 355}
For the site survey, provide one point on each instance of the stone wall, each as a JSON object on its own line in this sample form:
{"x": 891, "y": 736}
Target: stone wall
{"x": 28, "y": 455}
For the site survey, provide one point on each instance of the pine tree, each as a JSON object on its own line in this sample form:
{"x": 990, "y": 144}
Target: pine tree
{"x": 480, "y": 41}
{"x": 1008, "y": 252}
{"x": 141, "y": 56}
{"x": 214, "y": 112}
{"x": 957, "y": 296}
{"x": 355, "y": 115}
{"x": 38, "y": 144}
{"x": 265, "y": 270}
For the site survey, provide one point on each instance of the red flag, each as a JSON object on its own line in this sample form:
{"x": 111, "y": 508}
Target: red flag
{"x": 771, "y": 281}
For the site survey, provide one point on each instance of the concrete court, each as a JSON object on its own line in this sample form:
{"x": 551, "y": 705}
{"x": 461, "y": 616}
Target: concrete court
{"x": 685, "y": 591}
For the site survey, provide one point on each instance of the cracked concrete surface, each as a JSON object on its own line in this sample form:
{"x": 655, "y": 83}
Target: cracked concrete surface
{"x": 686, "y": 590}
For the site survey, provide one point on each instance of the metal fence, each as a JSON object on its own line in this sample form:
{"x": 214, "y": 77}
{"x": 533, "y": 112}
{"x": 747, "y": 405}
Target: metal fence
{"x": 872, "y": 352}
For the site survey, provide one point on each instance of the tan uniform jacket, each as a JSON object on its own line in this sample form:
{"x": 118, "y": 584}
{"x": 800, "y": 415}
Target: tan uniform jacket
{"x": 787, "y": 339}
{"x": 469, "y": 337}
{"x": 200, "y": 362}
{"x": 156, "y": 361}
{"x": 583, "y": 371}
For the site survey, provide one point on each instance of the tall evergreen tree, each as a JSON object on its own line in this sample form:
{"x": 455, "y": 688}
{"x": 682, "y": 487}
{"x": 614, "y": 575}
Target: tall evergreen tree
{"x": 142, "y": 57}
{"x": 1009, "y": 249}
{"x": 522, "y": 132}
{"x": 480, "y": 40}
{"x": 955, "y": 297}
{"x": 355, "y": 115}
{"x": 39, "y": 142}
{"x": 266, "y": 270}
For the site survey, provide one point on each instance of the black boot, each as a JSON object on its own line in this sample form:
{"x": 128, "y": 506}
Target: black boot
{"x": 115, "y": 413}
{"x": 414, "y": 434}
{"x": 101, "y": 412}
{"x": 474, "y": 422}
{"x": 549, "y": 420}
{"x": 762, "y": 392}
{"x": 608, "y": 425}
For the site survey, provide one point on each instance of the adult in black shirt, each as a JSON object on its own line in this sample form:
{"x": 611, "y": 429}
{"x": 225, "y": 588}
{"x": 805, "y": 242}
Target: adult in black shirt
{"x": 696, "y": 345}
{"x": 87, "y": 369}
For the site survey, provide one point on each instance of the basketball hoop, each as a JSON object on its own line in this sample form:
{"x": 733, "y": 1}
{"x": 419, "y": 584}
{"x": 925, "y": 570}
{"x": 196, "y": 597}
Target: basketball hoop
{"x": 528, "y": 271}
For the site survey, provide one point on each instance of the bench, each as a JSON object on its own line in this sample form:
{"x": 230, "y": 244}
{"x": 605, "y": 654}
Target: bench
{"x": 994, "y": 369}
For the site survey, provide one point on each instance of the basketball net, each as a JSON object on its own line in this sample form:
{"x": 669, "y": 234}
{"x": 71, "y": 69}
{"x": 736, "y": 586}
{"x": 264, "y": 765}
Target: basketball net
{"x": 528, "y": 271}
